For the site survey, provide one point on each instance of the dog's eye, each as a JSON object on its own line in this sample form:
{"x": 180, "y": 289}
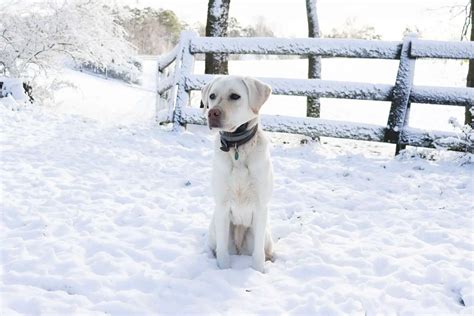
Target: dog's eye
{"x": 234, "y": 96}
{"x": 212, "y": 96}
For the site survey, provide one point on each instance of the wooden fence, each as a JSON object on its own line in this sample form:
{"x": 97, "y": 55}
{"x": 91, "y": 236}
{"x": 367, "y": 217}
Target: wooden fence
{"x": 174, "y": 86}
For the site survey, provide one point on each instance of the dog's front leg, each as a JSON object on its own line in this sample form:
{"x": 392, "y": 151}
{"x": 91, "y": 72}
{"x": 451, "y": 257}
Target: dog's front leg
{"x": 222, "y": 222}
{"x": 259, "y": 225}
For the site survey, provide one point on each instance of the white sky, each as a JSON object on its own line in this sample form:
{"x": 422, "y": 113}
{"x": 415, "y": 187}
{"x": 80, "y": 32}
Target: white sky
{"x": 288, "y": 17}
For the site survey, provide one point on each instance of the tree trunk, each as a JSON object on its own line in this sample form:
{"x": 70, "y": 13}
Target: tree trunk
{"x": 313, "y": 108}
{"x": 470, "y": 73}
{"x": 216, "y": 26}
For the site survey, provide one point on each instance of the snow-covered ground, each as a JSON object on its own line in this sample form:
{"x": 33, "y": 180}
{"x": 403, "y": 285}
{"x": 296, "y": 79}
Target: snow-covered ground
{"x": 110, "y": 216}
{"x": 111, "y": 100}
{"x": 113, "y": 219}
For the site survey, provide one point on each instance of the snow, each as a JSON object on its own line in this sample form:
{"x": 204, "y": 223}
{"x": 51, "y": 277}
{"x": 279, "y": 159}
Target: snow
{"x": 448, "y": 95}
{"x": 185, "y": 69}
{"x": 439, "y": 49}
{"x": 13, "y": 87}
{"x": 305, "y": 126}
{"x": 314, "y": 127}
{"x": 331, "y": 47}
{"x": 353, "y": 90}
{"x": 166, "y": 59}
{"x": 37, "y": 39}
{"x": 108, "y": 100}
{"x": 100, "y": 218}
{"x": 103, "y": 211}
{"x": 298, "y": 46}
{"x": 312, "y": 87}
{"x": 399, "y": 110}
{"x": 216, "y": 9}
{"x": 218, "y": 13}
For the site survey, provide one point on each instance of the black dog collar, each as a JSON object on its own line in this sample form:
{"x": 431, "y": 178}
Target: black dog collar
{"x": 235, "y": 139}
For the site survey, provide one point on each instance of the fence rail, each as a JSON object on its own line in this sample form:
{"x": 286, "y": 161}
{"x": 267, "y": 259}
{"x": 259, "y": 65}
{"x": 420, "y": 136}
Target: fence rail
{"x": 327, "y": 128}
{"x": 445, "y": 50}
{"x": 297, "y": 46}
{"x": 173, "y": 89}
{"x": 352, "y": 90}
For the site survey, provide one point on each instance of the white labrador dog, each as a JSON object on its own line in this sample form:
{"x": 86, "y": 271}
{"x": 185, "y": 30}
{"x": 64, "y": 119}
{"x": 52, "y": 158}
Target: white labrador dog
{"x": 242, "y": 178}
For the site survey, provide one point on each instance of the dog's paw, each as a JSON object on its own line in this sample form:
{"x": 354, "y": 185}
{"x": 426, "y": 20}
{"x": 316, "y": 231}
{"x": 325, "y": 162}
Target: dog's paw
{"x": 258, "y": 264}
{"x": 223, "y": 261}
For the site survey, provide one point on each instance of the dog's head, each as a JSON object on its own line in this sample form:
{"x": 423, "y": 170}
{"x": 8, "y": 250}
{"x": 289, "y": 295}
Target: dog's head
{"x": 233, "y": 100}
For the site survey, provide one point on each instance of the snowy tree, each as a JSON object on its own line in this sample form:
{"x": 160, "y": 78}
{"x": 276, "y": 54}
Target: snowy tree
{"x": 260, "y": 28}
{"x": 352, "y": 29}
{"x": 45, "y": 33}
{"x": 152, "y": 31}
{"x": 217, "y": 24}
{"x": 235, "y": 29}
{"x": 313, "y": 107}
{"x": 470, "y": 72}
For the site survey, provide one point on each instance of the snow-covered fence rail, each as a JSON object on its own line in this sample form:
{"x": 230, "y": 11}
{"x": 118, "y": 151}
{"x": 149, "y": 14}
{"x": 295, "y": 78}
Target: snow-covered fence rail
{"x": 173, "y": 89}
{"x": 438, "y": 49}
{"x": 351, "y": 90}
{"x": 297, "y": 46}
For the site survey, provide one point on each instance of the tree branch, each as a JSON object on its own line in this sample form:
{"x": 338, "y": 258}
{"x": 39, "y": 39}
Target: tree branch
{"x": 467, "y": 21}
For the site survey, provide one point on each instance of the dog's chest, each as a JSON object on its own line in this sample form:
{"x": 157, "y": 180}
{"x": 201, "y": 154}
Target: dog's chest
{"x": 242, "y": 195}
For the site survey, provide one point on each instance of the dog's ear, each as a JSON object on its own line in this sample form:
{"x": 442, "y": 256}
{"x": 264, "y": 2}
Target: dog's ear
{"x": 205, "y": 94}
{"x": 258, "y": 93}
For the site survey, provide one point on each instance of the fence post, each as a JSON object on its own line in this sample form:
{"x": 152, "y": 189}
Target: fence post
{"x": 186, "y": 69}
{"x": 398, "y": 116}
{"x": 162, "y": 99}
{"x": 158, "y": 101}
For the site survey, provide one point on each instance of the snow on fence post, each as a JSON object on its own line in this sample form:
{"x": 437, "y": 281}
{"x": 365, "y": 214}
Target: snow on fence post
{"x": 186, "y": 69}
{"x": 178, "y": 58}
{"x": 165, "y": 83}
{"x": 159, "y": 98}
{"x": 397, "y": 118}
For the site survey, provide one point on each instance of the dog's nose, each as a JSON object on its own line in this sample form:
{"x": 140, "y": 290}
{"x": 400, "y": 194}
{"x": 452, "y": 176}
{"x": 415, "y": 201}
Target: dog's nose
{"x": 214, "y": 113}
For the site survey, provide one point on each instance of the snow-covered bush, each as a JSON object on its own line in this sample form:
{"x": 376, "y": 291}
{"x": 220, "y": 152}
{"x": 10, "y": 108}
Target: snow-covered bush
{"x": 16, "y": 88}
{"x": 467, "y": 133}
{"x": 14, "y": 93}
{"x": 37, "y": 40}
{"x": 129, "y": 72}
